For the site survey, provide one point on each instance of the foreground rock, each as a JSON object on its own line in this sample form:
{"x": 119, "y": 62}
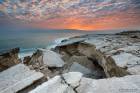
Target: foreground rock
{"x": 17, "y": 78}
{"x": 74, "y": 82}
{"x": 60, "y": 84}
{"x": 8, "y": 58}
{"x": 83, "y": 64}
{"x": 127, "y": 84}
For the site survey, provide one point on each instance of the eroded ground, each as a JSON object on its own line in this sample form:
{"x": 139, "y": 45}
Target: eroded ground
{"x": 82, "y": 64}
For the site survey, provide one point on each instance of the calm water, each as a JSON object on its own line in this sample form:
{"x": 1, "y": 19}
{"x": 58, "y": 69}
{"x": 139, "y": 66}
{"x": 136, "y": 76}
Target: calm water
{"x": 30, "y": 39}
{"x": 33, "y": 40}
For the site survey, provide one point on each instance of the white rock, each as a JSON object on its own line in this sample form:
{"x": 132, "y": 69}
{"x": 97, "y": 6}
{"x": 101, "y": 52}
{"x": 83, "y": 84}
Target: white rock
{"x": 130, "y": 48}
{"x": 128, "y": 84}
{"x": 17, "y": 78}
{"x": 73, "y": 78}
{"x": 75, "y": 67}
{"x": 134, "y": 70}
{"x": 52, "y": 59}
{"x": 99, "y": 43}
{"x": 54, "y": 85}
{"x": 58, "y": 85}
{"x": 124, "y": 59}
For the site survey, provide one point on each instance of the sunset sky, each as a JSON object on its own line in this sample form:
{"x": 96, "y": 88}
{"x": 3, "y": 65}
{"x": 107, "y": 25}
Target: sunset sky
{"x": 73, "y": 14}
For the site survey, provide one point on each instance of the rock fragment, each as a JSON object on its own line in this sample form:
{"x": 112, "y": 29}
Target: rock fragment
{"x": 17, "y": 78}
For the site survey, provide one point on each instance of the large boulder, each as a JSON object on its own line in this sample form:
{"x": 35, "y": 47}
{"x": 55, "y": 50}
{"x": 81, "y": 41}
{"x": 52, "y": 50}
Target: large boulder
{"x": 106, "y": 62}
{"x": 9, "y": 58}
{"x": 45, "y": 61}
{"x": 102, "y": 63}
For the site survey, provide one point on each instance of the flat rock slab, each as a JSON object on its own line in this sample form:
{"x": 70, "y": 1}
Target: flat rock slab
{"x": 74, "y": 82}
{"x": 52, "y": 59}
{"x": 130, "y": 48}
{"x": 127, "y": 84}
{"x": 99, "y": 43}
{"x": 126, "y": 59}
{"x": 54, "y": 85}
{"x": 60, "y": 84}
{"x": 17, "y": 77}
{"x": 135, "y": 70}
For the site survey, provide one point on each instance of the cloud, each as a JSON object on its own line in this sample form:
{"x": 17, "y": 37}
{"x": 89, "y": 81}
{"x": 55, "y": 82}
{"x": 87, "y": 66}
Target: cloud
{"x": 48, "y": 8}
{"x": 89, "y": 10}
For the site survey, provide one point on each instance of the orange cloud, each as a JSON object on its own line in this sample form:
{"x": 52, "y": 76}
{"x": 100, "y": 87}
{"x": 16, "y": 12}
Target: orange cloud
{"x": 118, "y": 21}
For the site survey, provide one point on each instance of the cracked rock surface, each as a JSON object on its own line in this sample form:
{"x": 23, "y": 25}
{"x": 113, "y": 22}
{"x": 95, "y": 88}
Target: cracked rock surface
{"x": 108, "y": 63}
{"x": 127, "y": 84}
{"x": 60, "y": 84}
{"x": 74, "y": 82}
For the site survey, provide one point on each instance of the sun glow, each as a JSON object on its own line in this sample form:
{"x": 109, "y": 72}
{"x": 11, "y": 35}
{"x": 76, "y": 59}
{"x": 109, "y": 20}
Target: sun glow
{"x": 83, "y": 23}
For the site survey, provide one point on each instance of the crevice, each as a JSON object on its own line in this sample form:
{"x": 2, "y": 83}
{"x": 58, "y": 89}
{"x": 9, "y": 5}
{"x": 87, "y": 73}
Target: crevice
{"x": 33, "y": 85}
{"x": 75, "y": 88}
{"x": 69, "y": 85}
{"x": 98, "y": 68}
{"x": 103, "y": 66}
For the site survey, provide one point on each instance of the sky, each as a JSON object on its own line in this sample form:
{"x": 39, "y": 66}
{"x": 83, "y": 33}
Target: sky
{"x": 72, "y": 14}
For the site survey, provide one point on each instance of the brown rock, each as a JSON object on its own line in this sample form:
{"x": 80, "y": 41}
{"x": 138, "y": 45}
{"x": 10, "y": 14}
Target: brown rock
{"x": 36, "y": 60}
{"x": 106, "y": 62}
{"x": 9, "y": 58}
{"x": 101, "y": 63}
{"x": 27, "y": 60}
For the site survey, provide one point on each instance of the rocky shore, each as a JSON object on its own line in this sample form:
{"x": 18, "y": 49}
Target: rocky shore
{"x": 83, "y": 64}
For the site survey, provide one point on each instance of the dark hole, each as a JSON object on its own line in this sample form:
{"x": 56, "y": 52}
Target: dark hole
{"x": 100, "y": 71}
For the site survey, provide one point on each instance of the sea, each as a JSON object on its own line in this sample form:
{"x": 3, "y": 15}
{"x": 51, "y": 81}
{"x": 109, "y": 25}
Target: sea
{"x": 30, "y": 39}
